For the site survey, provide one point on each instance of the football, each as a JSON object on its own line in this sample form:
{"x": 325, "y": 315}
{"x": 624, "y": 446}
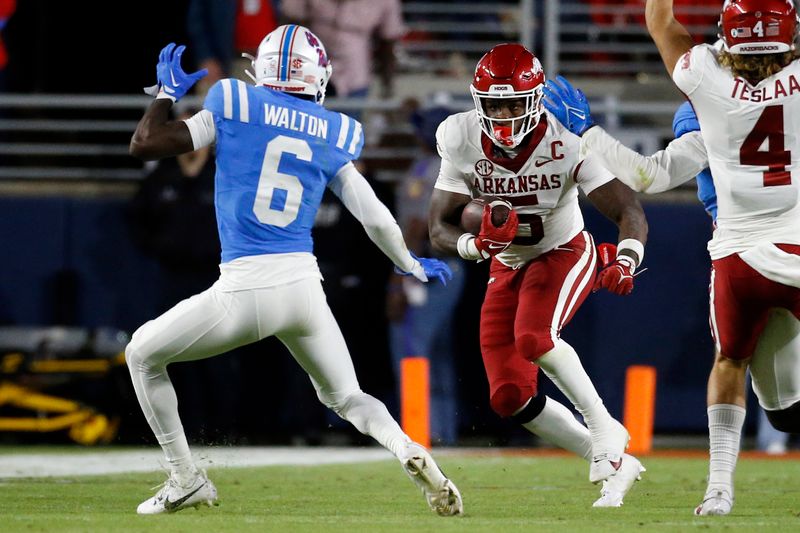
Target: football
{"x": 472, "y": 214}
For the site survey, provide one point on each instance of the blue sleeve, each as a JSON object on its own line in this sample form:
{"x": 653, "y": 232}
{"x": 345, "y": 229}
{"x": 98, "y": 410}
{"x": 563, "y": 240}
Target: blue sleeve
{"x": 348, "y": 137}
{"x": 214, "y": 100}
{"x": 707, "y": 193}
{"x": 685, "y": 121}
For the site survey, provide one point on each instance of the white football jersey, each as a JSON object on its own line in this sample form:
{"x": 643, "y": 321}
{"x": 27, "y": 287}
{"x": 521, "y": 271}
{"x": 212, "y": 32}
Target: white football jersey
{"x": 752, "y": 136}
{"x": 540, "y": 182}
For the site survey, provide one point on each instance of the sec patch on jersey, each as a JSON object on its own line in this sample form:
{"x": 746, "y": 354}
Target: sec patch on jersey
{"x": 472, "y": 215}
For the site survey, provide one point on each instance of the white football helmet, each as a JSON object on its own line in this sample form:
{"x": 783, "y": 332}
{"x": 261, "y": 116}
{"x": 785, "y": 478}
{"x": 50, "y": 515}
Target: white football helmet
{"x": 293, "y": 60}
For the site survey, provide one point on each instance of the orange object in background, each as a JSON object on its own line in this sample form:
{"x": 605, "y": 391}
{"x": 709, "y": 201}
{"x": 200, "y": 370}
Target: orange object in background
{"x": 640, "y": 404}
{"x": 415, "y": 399}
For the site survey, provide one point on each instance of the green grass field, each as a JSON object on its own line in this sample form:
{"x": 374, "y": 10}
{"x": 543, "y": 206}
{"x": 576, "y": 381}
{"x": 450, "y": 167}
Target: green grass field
{"x": 501, "y": 493}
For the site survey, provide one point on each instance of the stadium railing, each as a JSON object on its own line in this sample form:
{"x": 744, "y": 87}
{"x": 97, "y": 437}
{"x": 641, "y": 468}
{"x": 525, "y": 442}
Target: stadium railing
{"x": 85, "y": 137}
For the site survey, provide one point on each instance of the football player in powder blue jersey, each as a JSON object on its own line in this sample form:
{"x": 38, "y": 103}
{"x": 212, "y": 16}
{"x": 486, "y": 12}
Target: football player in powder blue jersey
{"x": 277, "y": 149}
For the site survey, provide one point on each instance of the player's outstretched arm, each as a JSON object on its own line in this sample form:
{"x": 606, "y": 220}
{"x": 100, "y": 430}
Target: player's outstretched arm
{"x": 156, "y": 136}
{"x": 679, "y": 162}
{"x": 358, "y": 197}
{"x": 670, "y": 36}
{"x": 659, "y": 172}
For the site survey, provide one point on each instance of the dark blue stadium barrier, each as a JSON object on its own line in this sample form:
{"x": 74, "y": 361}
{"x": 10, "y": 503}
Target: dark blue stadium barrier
{"x": 72, "y": 261}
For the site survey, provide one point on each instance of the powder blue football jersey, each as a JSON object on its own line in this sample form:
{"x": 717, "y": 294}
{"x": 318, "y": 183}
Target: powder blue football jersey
{"x": 276, "y": 153}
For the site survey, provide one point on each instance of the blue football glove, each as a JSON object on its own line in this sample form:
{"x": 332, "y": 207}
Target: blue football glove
{"x": 173, "y": 82}
{"x": 568, "y": 105}
{"x": 428, "y": 268}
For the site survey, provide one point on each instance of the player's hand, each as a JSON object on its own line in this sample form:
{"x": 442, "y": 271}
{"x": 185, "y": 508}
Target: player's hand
{"x": 568, "y": 105}
{"x": 616, "y": 272}
{"x": 494, "y": 239}
{"x": 173, "y": 82}
{"x": 427, "y": 268}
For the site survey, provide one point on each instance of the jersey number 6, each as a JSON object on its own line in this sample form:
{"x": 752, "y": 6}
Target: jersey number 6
{"x": 278, "y": 195}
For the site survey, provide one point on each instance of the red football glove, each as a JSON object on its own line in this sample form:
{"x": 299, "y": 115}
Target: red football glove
{"x": 494, "y": 239}
{"x": 616, "y": 272}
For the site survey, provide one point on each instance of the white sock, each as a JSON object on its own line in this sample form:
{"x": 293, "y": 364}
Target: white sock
{"x": 724, "y": 434}
{"x": 564, "y": 368}
{"x": 558, "y": 426}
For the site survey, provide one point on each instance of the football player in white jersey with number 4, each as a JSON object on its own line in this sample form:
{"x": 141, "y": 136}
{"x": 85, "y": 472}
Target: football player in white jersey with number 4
{"x": 277, "y": 149}
{"x": 543, "y": 262}
{"x": 747, "y": 100}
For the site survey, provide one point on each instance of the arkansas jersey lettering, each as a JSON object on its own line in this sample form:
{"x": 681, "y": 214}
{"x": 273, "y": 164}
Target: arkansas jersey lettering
{"x": 518, "y": 184}
{"x": 541, "y": 181}
{"x": 778, "y": 89}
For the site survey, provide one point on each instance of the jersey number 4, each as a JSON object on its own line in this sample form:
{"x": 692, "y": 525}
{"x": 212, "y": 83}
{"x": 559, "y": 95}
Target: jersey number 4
{"x": 769, "y": 127}
{"x": 278, "y": 195}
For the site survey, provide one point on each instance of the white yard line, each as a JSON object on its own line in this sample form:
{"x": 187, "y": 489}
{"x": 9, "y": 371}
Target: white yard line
{"x": 114, "y": 462}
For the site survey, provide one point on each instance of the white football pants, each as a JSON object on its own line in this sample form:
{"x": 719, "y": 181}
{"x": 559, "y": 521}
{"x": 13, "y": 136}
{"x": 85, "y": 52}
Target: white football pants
{"x": 775, "y": 366}
{"x": 214, "y": 322}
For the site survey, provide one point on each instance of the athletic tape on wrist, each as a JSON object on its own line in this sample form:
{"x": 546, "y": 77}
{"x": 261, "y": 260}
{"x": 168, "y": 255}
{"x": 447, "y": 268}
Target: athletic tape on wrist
{"x": 162, "y": 95}
{"x": 634, "y": 246}
{"x": 467, "y": 249}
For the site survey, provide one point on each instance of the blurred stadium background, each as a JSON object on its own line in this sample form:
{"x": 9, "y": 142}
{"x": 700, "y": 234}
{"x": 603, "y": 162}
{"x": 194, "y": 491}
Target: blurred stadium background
{"x": 78, "y": 278}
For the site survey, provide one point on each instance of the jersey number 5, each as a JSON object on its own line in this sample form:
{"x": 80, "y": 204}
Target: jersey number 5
{"x": 769, "y": 126}
{"x": 278, "y": 195}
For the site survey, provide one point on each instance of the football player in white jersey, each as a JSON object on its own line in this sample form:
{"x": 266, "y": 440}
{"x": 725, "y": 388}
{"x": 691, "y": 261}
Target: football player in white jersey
{"x": 747, "y": 100}
{"x": 277, "y": 148}
{"x": 543, "y": 262}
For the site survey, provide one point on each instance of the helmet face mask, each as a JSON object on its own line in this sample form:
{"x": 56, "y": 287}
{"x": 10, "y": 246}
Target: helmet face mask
{"x": 293, "y": 60}
{"x": 506, "y": 73}
{"x": 750, "y": 27}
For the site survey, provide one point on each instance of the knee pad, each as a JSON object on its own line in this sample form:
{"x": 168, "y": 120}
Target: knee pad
{"x": 786, "y": 420}
{"x": 533, "y": 345}
{"x": 508, "y": 399}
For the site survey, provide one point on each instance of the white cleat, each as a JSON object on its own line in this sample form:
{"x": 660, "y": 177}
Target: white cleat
{"x": 716, "y": 502}
{"x": 608, "y": 450}
{"x": 617, "y": 486}
{"x": 173, "y": 497}
{"x": 440, "y": 493}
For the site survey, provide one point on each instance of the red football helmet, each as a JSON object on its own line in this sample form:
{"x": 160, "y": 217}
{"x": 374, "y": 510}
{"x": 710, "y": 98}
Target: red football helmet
{"x": 758, "y": 26}
{"x": 508, "y": 71}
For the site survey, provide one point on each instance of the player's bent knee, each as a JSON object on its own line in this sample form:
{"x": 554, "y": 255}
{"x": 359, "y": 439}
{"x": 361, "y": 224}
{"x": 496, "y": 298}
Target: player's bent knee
{"x": 133, "y": 357}
{"x": 786, "y": 420}
{"x": 534, "y": 345}
{"x": 508, "y": 399}
{"x": 140, "y": 360}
